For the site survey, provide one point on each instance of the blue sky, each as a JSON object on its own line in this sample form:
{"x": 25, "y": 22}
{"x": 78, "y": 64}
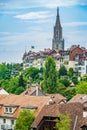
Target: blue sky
{"x": 26, "y": 23}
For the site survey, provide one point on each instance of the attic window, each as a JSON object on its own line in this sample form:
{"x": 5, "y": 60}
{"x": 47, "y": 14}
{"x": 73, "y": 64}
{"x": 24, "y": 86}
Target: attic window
{"x": 8, "y": 109}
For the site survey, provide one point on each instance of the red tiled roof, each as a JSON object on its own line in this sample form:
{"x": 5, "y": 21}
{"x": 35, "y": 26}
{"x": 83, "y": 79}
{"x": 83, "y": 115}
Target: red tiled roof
{"x": 57, "y": 97}
{"x": 54, "y": 110}
{"x": 22, "y": 101}
{"x": 29, "y": 91}
{"x": 82, "y": 98}
{"x": 48, "y": 110}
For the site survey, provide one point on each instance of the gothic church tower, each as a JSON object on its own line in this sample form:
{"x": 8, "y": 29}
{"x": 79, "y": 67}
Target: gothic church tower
{"x": 58, "y": 41}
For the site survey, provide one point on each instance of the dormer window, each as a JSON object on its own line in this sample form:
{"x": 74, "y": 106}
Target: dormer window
{"x": 8, "y": 109}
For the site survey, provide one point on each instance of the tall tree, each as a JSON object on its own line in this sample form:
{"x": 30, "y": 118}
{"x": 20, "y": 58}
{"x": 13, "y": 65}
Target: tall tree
{"x": 81, "y": 88}
{"x": 21, "y": 81}
{"x": 64, "y": 81}
{"x": 62, "y": 71}
{"x": 50, "y": 76}
{"x": 63, "y": 123}
{"x": 4, "y": 71}
{"x": 70, "y": 72}
{"x": 24, "y": 121}
{"x": 31, "y": 72}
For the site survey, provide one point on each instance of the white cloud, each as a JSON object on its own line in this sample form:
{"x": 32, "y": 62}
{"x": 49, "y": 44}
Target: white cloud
{"x": 5, "y": 33}
{"x": 55, "y": 3}
{"x": 61, "y": 3}
{"x": 82, "y": 2}
{"x": 37, "y": 39}
{"x": 20, "y": 4}
{"x": 75, "y": 24}
{"x": 34, "y": 15}
{"x": 8, "y": 12}
{"x": 76, "y": 37}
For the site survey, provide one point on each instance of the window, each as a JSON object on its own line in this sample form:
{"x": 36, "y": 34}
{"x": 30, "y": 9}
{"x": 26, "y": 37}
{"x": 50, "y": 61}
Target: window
{"x": 8, "y": 109}
{"x": 4, "y": 120}
{"x": 12, "y": 122}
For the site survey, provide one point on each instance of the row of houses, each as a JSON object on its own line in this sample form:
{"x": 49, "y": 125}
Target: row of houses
{"x": 74, "y": 57}
{"x": 46, "y": 107}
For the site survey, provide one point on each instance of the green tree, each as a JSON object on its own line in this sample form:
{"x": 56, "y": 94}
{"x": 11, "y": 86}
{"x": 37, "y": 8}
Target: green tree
{"x": 50, "y": 76}
{"x": 84, "y": 78}
{"x": 4, "y": 84}
{"x": 13, "y": 85}
{"x": 70, "y": 72}
{"x": 25, "y": 119}
{"x": 75, "y": 80}
{"x": 69, "y": 92}
{"x": 21, "y": 81}
{"x": 31, "y": 72}
{"x": 19, "y": 90}
{"x": 63, "y": 123}
{"x": 60, "y": 88}
{"x": 62, "y": 71}
{"x": 4, "y": 71}
{"x": 81, "y": 88}
{"x": 64, "y": 81}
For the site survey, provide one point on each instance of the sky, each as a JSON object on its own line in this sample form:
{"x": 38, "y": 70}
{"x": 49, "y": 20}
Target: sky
{"x": 26, "y": 23}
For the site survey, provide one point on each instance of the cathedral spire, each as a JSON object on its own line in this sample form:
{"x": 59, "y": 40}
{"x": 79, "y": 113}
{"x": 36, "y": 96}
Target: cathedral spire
{"x": 58, "y": 42}
{"x": 58, "y": 18}
{"x": 57, "y": 11}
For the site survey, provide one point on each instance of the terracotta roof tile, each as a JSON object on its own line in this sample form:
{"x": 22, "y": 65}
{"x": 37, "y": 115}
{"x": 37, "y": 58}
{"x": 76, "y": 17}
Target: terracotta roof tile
{"x": 22, "y": 101}
{"x": 82, "y": 98}
{"x": 47, "y": 110}
{"x": 54, "y": 110}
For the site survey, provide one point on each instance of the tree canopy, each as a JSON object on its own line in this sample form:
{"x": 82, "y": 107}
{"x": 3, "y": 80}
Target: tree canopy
{"x": 31, "y": 72}
{"x": 50, "y": 76}
{"x": 63, "y": 123}
{"x": 81, "y": 88}
{"x": 25, "y": 119}
{"x": 62, "y": 71}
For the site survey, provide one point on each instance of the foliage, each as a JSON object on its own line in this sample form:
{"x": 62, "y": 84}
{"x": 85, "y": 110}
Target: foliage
{"x": 69, "y": 92}
{"x": 63, "y": 123}
{"x": 60, "y": 88}
{"x": 81, "y": 88}
{"x": 21, "y": 81}
{"x": 84, "y": 78}
{"x": 4, "y": 71}
{"x": 62, "y": 71}
{"x": 75, "y": 80}
{"x": 41, "y": 70}
{"x": 70, "y": 72}
{"x": 19, "y": 90}
{"x": 64, "y": 81}
{"x": 31, "y": 72}
{"x": 12, "y": 85}
{"x": 50, "y": 76}
{"x": 7, "y": 71}
{"x": 25, "y": 119}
